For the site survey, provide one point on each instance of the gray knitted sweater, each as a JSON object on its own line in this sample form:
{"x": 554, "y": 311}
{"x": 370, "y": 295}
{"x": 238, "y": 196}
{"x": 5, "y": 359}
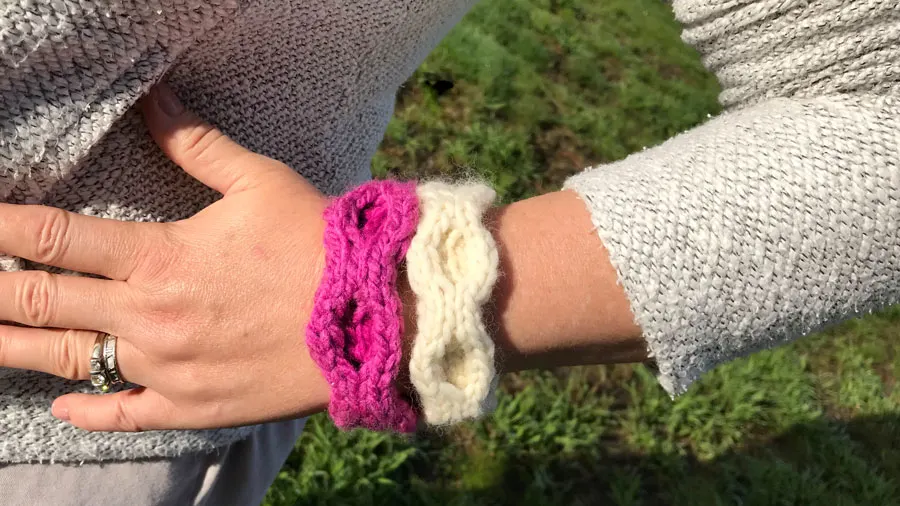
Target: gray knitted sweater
{"x": 772, "y": 220}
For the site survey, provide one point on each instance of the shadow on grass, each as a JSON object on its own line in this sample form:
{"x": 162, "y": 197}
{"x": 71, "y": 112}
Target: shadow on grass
{"x": 823, "y": 462}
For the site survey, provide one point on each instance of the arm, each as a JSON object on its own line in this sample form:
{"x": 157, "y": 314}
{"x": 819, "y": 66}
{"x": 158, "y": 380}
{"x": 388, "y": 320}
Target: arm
{"x": 743, "y": 233}
{"x": 757, "y": 228}
{"x": 779, "y": 217}
{"x": 209, "y": 310}
{"x": 558, "y": 301}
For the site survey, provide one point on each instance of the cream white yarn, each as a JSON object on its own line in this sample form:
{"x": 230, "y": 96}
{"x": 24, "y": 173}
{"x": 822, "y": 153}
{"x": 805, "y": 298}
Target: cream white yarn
{"x": 452, "y": 265}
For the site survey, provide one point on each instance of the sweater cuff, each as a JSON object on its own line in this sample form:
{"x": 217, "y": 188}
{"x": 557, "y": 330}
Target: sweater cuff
{"x": 756, "y": 228}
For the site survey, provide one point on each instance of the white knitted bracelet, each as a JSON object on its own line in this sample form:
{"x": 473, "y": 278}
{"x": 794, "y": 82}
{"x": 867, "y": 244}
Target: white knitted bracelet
{"x": 452, "y": 266}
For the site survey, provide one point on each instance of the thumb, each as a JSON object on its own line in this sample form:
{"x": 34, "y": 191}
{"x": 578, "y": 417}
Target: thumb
{"x": 134, "y": 410}
{"x": 199, "y": 148}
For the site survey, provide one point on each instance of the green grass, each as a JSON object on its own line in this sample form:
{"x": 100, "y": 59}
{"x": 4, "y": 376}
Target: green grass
{"x": 540, "y": 90}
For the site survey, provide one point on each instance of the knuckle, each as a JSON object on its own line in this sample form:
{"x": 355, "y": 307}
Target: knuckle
{"x": 35, "y": 294}
{"x": 52, "y": 236}
{"x": 67, "y": 357}
{"x": 166, "y": 299}
{"x": 122, "y": 417}
{"x": 200, "y": 141}
{"x": 158, "y": 253}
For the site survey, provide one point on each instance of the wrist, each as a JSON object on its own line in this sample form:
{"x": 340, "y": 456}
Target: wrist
{"x": 557, "y": 301}
{"x": 312, "y": 383}
{"x": 354, "y": 332}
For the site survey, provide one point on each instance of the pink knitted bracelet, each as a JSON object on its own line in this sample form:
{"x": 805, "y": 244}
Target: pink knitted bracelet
{"x": 356, "y": 323}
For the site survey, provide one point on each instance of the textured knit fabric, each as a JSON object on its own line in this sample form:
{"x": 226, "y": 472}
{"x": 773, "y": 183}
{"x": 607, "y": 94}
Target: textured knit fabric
{"x": 236, "y": 475}
{"x": 781, "y": 215}
{"x": 773, "y": 220}
{"x": 356, "y": 325}
{"x": 452, "y": 266}
{"x": 309, "y": 82}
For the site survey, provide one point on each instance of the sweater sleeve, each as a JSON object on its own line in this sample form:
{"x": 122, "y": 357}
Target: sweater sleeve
{"x": 756, "y": 228}
{"x": 775, "y": 219}
{"x": 68, "y": 70}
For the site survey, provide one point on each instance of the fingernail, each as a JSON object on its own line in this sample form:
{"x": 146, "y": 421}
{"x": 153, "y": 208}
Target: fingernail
{"x": 60, "y": 412}
{"x": 167, "y": 100}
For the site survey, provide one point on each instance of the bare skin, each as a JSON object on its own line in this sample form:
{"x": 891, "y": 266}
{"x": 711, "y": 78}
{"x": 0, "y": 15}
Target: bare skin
{"x": 210, "y": 311}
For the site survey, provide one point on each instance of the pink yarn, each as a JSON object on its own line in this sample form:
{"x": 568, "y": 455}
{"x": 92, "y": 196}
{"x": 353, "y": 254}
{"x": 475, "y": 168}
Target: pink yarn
{"x": 356, "y": 323}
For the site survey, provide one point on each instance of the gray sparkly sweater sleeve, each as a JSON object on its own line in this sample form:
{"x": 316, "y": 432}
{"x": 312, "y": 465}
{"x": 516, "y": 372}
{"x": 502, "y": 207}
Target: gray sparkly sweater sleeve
{"x": 780, "y": 216}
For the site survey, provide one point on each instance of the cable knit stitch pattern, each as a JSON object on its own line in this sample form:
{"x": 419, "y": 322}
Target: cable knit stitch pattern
{"x": 452, "y": 267}
{"x": 356, "y": 324}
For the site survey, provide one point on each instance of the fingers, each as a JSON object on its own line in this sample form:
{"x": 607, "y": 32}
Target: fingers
{"x": 63, "y": 353}
{"x": 40, "y": 299}
{"x": 133, "y": 410}
{"x": 202, "y": 150}
{"x": 51, "y": 236}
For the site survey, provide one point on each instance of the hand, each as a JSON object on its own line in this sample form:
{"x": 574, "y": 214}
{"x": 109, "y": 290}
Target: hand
{"x": 209, "y": 312}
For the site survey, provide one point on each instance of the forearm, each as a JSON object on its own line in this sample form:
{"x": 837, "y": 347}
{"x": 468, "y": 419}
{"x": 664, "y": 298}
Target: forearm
{"x": 729, "y": 239}
{"x": 557, "y": 301}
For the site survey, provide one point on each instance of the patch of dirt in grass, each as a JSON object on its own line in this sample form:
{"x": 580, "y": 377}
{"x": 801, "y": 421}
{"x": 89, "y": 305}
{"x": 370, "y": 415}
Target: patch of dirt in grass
{"x": 824, "y": 366}
{"x": 455, "y": 99}
{"x": 456, "y": 104}
{"x": 613, "y": 69}
{"x": 408, "y": 93}
{"x": 886, "y": 373}
{"x": 513, "y": 383}
{"x": 441, "y": 450}
{"x": 560, "y": 153}
{"x": 670, "y": 71}
{"x": 557, "y": 58}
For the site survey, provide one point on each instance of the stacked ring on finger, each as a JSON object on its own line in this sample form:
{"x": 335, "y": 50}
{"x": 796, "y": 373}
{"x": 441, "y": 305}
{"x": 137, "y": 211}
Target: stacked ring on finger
{"x": 104, "y": 364}
{"x": 99, "y": 377}
{"x": 109, "y": 359}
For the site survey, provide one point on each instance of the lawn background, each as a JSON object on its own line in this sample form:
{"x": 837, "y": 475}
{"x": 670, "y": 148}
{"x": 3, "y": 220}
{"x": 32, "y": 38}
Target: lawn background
{"x": 526, "y": 93}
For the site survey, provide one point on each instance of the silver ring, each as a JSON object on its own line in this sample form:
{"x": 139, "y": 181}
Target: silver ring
{"x": 110, "y": 359}
{"x": 99, "y": 376}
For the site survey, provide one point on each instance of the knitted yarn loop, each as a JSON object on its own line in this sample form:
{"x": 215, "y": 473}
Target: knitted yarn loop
{"x": 452, "y": 266}
{"x": 356, "y": 324}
